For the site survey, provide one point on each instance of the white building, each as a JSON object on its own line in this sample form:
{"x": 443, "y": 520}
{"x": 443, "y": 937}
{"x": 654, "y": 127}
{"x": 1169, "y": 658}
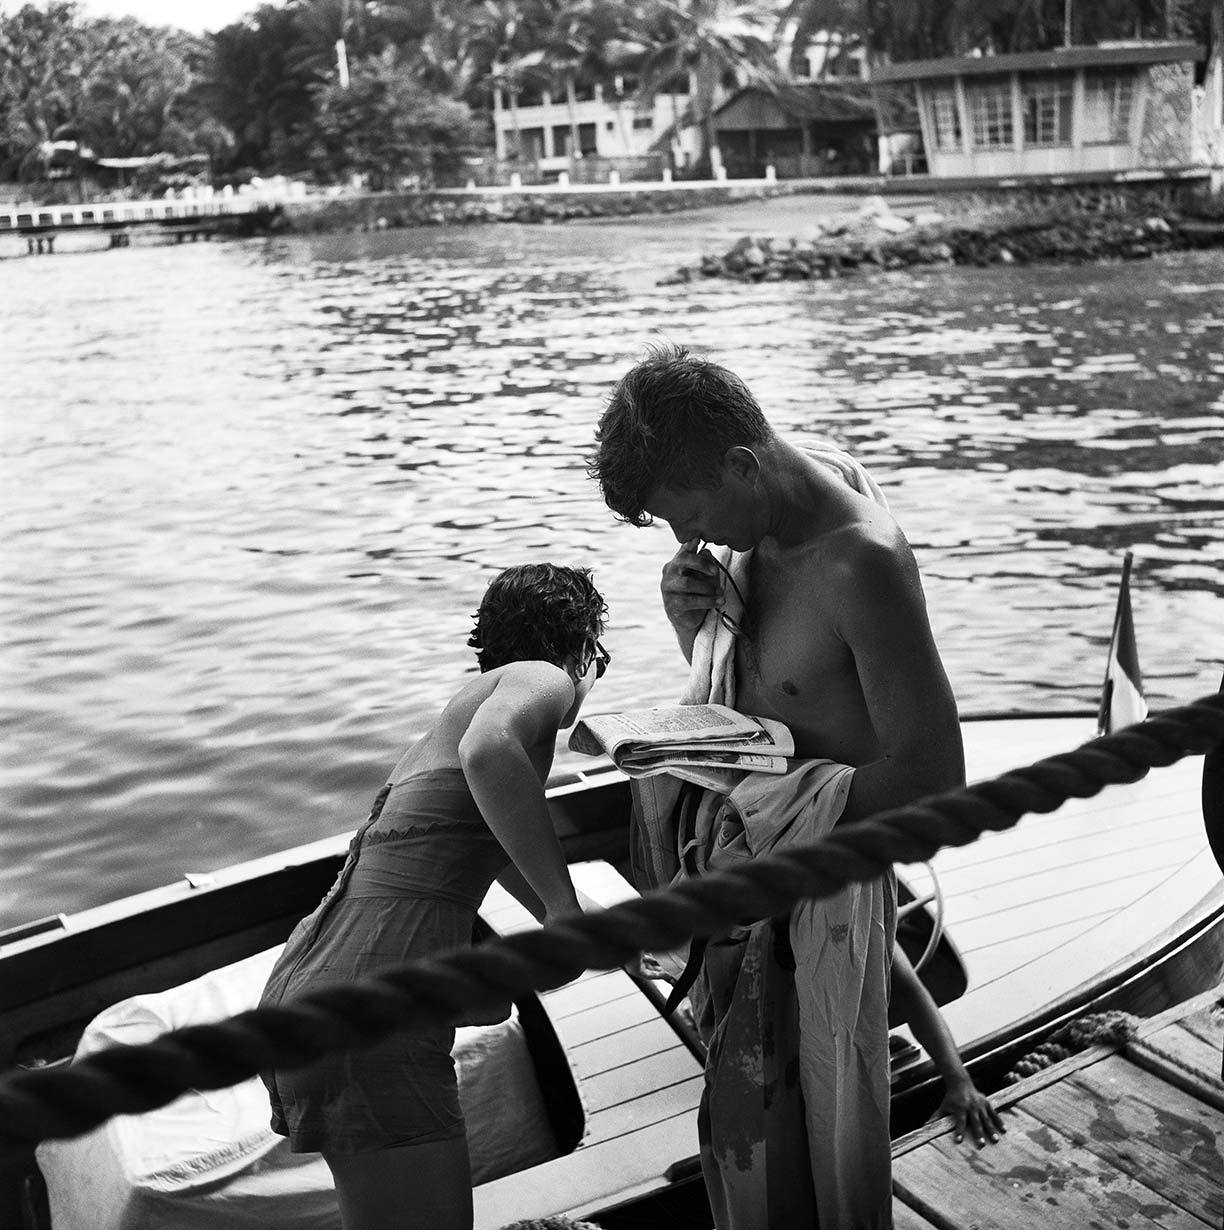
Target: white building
{"x": 1113, "y": 108}
{"x": 599, "y": 122}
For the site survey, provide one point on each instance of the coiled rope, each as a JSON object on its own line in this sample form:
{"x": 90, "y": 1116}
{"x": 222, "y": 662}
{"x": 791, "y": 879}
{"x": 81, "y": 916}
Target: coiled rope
{"x": 59, "y": 1102}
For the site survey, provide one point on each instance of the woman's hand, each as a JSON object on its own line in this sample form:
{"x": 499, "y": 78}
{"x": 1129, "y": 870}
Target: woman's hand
{"x": 973, "y": 1113}
{"x": 585, "y": 904}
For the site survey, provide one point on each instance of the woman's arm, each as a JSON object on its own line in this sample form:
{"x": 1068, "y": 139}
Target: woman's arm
{"x": 971, "y": 1109}
{"x": 523, "y": 711}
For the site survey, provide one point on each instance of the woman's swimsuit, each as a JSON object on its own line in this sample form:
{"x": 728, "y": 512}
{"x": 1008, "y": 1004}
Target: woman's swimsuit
{"x": 415, "y": 875}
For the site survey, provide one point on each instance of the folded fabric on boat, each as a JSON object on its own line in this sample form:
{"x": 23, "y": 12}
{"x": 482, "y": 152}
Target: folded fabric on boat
{"x": 210, "y": 1160}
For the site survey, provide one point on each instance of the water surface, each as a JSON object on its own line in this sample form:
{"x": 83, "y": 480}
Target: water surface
{"x": 253, "y": 492}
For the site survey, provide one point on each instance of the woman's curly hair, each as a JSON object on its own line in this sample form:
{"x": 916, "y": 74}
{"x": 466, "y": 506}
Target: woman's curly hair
{"x": 537, "y": 612}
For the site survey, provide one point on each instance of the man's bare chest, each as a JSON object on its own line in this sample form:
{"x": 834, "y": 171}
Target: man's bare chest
{"x": 791, "y": 648}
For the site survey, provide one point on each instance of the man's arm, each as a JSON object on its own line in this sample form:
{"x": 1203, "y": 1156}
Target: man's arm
{"x": 970, "y": 1108}
{"x": 882, "y": 618}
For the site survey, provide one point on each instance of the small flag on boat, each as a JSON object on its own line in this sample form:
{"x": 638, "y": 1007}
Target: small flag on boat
{"x": 1122, "y": 702}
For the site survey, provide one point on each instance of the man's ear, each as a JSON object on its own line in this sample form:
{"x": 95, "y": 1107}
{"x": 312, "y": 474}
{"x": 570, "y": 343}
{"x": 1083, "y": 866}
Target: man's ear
{"x": 742, "y": 463}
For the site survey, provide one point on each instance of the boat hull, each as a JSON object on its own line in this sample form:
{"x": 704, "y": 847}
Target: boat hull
{"x": 56, "y": 978}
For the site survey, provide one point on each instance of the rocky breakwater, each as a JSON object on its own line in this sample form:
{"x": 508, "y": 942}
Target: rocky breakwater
{"x": 874, "y": 236}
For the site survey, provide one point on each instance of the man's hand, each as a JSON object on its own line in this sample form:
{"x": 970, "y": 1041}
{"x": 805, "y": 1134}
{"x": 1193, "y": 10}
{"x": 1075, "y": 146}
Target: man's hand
{"x": 973, "y": 1113}
{"x": 691, "y": 586}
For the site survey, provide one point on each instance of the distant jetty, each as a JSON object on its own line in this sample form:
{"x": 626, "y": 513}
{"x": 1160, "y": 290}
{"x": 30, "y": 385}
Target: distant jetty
{"x": 994, "y": 229}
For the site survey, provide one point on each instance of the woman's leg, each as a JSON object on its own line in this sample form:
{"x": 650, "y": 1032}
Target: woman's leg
{"x": 413, "y": 1187}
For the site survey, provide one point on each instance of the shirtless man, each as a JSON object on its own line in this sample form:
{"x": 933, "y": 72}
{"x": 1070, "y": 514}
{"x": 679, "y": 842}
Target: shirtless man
{"x": 834, "y": 642}
{"x": 837, "y": 642}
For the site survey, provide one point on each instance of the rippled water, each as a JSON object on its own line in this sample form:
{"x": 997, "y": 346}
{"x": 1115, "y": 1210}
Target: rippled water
{"x": 254, "y": 491}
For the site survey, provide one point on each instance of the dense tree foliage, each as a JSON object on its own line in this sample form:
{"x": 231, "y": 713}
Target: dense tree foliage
{"x": 385, "y": 126}
{"x": 921, "y": 29}
{"x": 390, "y": 88}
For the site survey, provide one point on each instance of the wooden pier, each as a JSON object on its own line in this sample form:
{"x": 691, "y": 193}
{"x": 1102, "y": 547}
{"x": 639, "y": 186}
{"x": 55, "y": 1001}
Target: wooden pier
{"x": 41, "y": 225}
{"x": 1130, "y": 1137}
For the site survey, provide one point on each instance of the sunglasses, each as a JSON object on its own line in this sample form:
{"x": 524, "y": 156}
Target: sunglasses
{"x": 601, "y": 657}
{"x": 732, "y": 626}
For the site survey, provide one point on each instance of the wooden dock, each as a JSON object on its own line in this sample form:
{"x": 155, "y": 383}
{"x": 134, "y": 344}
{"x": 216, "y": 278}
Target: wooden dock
{"x": 41, "y": 225}
{"x": 1129, "y": 1137}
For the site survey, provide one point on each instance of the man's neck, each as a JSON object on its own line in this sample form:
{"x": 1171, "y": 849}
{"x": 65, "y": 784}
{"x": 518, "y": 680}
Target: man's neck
{"x": 801, "y": 497}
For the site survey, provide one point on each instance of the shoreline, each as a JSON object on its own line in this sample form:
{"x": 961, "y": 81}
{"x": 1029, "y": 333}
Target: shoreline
{"x": 1066, "y": 228}
{"x": 828, "y": 227}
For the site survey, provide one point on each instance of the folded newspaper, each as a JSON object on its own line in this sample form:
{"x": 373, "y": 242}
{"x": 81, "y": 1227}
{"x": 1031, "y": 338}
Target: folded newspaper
{"x": 680, "y": 737}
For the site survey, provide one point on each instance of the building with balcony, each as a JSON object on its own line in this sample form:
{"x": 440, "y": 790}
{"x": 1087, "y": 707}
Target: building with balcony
{"x": 552, "y": 131}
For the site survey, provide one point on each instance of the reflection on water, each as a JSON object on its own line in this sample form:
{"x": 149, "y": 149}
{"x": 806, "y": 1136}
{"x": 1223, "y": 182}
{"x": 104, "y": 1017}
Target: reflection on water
{"x": 254, "y": 492}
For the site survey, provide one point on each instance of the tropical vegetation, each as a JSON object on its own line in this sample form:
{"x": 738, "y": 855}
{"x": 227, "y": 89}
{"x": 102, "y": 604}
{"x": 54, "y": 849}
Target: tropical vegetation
{"x": 390, "y": 89}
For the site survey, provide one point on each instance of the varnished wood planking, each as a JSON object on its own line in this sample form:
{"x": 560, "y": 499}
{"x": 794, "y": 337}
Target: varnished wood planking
{"x": 590, "y": 1177}
{"x": 995, "y": 747}
{"x": 986, "y": 958}
{"x": 1124, "y": 817}
{"x": 904, "y": 1218}
{"x": 1079, "y": 839}
{"x": 1165, "y": 1138}
{"x": 1207, "y": 1024}
{"x": 640, "y": 1085}
{"x": 648, "y": 1108}
{"x": 604, "y": 1020}
{"x": 1187, "y": 1049}
{"x": 997, "y": 995}
{"x": 1034, "y": 1177}
{"x": 1031, "y": 880}
{"x": 1183, "y": 1058}
{"x": 631, "y": 1081}
{"x": 614, "y": 1051}
{"x": 593, "y": 989}
{"x": 1073, "y": 895}
{"x": 1082, "y": 1147}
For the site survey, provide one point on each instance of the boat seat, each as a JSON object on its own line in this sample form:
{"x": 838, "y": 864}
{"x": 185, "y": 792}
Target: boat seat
{"x": 210, "y": 1161}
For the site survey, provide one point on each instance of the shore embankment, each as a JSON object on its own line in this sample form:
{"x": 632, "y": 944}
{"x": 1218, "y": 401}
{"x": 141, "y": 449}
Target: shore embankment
{"x": 539, "y": 204}
{"x": 1001, "y": 226}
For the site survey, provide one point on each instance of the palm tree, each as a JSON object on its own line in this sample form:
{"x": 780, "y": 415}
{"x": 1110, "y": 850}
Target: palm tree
{"x": 586, "y": 41}
{"x": 507, "y": 35}
{"x": 44, "y": 59}
{"x": 365, "y": 27}
{"x": 135, "y": 91}
{"x": 447, "y": 59}
{"x": 712, "y": 42}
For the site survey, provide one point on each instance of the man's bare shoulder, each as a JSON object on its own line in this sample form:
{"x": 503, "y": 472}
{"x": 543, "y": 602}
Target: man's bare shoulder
{"x": 868, "y": 562}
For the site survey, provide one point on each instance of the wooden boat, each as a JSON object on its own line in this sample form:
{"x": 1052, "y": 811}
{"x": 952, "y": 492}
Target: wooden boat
{"x": 1112, "y": 902}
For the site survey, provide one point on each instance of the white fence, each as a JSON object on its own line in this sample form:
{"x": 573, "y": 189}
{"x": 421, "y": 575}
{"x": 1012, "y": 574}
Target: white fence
{"x": 15, "y": 218}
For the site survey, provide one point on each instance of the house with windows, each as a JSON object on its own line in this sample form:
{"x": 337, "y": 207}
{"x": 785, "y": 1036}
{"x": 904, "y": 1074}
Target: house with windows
{"x": 605, "y": 122}
{"x": 1108, "y": 109}
{"x": 808, "y": 128}
{"x": 822, "y": 121}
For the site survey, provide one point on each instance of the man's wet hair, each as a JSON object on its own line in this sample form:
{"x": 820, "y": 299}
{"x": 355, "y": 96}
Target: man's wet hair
{"x": 669, "y": 423}
{"x": 537, "y": 612}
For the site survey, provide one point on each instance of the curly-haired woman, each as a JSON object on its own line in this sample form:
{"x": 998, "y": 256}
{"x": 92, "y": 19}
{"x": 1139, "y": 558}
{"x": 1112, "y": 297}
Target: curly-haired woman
{"x": 465, "y": 805}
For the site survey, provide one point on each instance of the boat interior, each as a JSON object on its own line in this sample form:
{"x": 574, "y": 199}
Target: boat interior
{"x": 1114, "y": 901}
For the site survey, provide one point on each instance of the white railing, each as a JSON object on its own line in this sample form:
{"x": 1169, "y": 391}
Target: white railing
{"x": 118, "y": 213}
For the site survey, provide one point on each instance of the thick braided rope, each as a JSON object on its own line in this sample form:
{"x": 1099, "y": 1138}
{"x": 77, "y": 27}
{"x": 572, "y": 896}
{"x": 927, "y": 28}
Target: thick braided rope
{"x": 60, "y": 1102}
